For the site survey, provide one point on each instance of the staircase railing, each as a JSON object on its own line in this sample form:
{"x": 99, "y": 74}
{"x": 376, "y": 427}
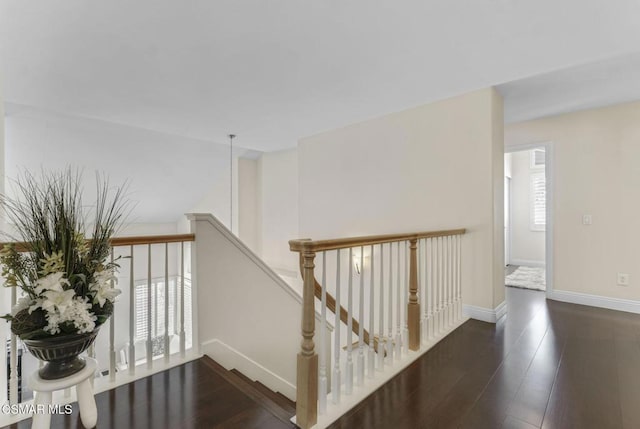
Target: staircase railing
{"x": 402, "y": 271}
{"x": 150, "y": 330}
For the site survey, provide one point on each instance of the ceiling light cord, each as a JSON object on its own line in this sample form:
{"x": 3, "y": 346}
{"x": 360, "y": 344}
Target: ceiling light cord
{"x": 231, "y": 137}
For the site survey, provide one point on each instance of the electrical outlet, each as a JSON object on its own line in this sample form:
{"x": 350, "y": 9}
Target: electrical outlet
{"x": 623, "y": 279}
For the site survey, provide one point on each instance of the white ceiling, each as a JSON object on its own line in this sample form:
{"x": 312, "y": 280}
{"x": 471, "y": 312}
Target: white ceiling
{"x": 274, "y": 71}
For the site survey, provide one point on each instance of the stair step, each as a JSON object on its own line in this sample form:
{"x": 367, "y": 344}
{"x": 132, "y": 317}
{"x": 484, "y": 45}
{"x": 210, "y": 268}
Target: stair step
{"x": 278, "y": 405}
{"x": 277, "y": 397}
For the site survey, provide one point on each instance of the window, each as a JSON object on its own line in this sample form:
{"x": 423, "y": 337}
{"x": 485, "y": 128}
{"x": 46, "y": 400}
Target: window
{"x": 538, "y": 192}
{"x": 537, "y": 158}
{"x": 157, "y": 311}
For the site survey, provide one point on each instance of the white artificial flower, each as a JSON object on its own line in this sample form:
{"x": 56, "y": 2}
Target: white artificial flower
{"x": 51, "y": 282}
{"x": 57, "y": 301}
{"x": 105, "y": 293}
{"x": 77, "y": 312}
{"x": 22, "y": 304}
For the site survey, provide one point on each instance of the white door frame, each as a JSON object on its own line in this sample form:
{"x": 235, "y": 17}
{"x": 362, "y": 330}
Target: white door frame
{"x": 550, "y": 192}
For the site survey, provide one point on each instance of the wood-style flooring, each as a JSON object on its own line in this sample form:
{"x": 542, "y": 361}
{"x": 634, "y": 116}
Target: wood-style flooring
{"x": 200, "y": 394}
{"x": 546, "y": 364}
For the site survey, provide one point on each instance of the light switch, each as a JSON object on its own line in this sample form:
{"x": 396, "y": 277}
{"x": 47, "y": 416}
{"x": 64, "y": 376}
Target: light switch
{"x": 586, "y": 219}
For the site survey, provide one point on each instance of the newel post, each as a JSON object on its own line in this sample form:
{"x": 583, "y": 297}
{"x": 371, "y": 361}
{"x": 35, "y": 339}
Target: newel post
{"x": 307, "y": 371}
{"x": 413, "y": 307}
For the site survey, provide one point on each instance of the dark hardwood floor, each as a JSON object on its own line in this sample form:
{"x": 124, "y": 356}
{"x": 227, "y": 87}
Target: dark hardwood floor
{"x": 545, "y": 365}
{"x": 199, "y": 394}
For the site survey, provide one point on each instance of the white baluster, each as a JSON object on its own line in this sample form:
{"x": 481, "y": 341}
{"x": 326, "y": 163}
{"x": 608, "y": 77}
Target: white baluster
{"x": 167, "y": 344}
{"x": 451, "y": 280}
{"x": 389, "y": 347}
{"x": 445, "y": 283}
{"x": 430, "y": 289}
{"x": 335, "y": 388}
{"x": 398, "y": 303}
{"x": 441, "y": 281}
{"x": 381, "y": 315}
{"x": 13, "y": 359}
{"x": 322, "y": 352}
{"x": 132, "y": 318}
{"x": 360, "y": 378}
{"x": 183, "y": 338}
{"x": 422, "y": 281}
{"x": 149, "y": 312}
{"x": 405, "y": 292}
{"x": 459, "y": 268}
{"x": 372, "y": 354}
{"x": 348, "y": 388}
{"x": 420, "y": 278}
{"x": 112, "y": 336}
{"x": 436, "y": 307}
{"x": 424, "y": 331}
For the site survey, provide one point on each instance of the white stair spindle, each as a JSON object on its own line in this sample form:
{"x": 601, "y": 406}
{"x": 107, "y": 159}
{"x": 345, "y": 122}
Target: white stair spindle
{"x": 445, "y": 283}
{"x": 322, "y": 350}
{"x": 436, "y": 304}
{"x": 360, "y": 378}
{"x": 167, "y": 344}
{"x": 348, "y": 387}
{"x": 398, "y": 304}
{"x": 112, "y": 336}
{"x": 459, "y": 251}
{"x": 432, "y": 292}
{"x": 335, "y": 388}
{"x": 381, "y": 315}
{"x": 132, "y": 317}
{"x": 422, "y": 282}
{"x": 13, "y": 358}
{"x": 149, "y": 311}
{"x": 405, "y": 293}
{"x": 389, "y": 347}
{"x": 425, "y": 293}
{"x": 429, "y": 290}
{"x": 441, "y": 281}
{"x": 183, "y": 339}
{"x": 451, "y": 291}
{"x": 372, "y": 354}
{"x": 420, "y": 276}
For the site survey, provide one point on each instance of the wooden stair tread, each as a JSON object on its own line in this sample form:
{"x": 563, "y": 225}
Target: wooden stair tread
{"x": 277, "y": 397}
{"x": 277, "y": 404}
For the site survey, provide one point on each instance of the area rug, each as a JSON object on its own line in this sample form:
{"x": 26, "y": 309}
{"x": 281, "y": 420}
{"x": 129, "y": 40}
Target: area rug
{"x": 527, "y": 278}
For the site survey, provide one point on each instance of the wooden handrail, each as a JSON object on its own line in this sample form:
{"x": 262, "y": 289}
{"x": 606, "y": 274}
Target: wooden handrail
{"x": 128, "y": 241}
{"x": 306, "y": 245}
{"x": 308, "y": 383}
{"x": 152, "y": 239}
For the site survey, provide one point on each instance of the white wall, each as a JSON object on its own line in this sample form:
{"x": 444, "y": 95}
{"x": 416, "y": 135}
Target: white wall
{"x": 527, "y": 246}
{"x": 279, "y": 208}
{"x": 248, "y": 318}
{"x": 433, "y": 167}
{"x": 597, "y": 154}
{"x": 168, "y": 175}
{"x": 249, "y": 204}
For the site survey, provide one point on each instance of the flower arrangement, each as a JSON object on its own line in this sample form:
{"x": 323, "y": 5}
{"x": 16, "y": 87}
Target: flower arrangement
{"x": 66, "y": 277}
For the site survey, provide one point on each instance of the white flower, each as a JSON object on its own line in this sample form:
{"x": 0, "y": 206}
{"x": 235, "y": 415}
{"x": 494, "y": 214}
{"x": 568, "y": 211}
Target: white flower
{"x": 104, "y": 293}
{"x": 77, "y": 313}
{"x": 22, "y": 304}
{"x": 57, "y": 301}
{"x": 52, "y": 282}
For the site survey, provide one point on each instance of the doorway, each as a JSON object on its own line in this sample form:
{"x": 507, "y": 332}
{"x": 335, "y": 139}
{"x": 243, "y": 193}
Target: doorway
{"x": 528, "y": 225}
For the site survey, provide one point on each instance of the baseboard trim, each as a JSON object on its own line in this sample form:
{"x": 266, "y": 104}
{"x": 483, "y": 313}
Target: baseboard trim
{"x": 485, "y": 314}
{"x": 231, "y": 358}
{"x": 527, "y": 263}
{"x": 618, "y": 304}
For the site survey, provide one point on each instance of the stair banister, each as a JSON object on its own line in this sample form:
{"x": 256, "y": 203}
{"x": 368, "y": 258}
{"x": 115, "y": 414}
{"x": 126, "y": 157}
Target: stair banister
{"x": 307, "y": 359}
